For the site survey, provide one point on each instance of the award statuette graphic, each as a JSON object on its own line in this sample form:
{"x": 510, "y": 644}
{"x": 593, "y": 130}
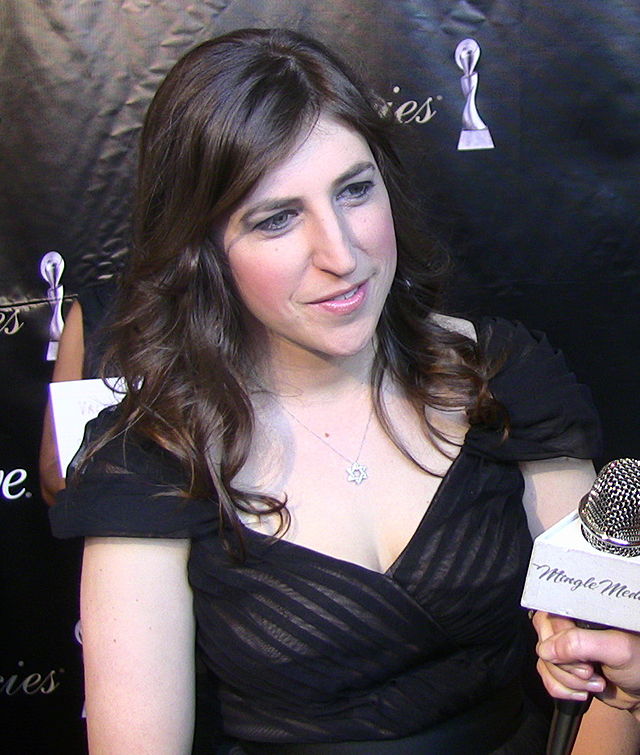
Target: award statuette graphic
{"x": 51, "y": 269}
{"x": 474, "y": 134}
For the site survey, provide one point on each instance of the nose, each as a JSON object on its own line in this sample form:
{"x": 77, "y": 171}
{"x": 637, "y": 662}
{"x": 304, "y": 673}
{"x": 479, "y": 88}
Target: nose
{"x": 332, "y": 245}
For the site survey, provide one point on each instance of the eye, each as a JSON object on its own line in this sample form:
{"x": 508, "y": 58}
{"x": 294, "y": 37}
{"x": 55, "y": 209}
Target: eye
{"x": 277, "y": 222}
{"x": 356, "y": 192}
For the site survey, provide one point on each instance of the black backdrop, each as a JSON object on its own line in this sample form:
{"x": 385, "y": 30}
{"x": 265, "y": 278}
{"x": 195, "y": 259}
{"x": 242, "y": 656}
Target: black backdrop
{"x": 543, "y": 228}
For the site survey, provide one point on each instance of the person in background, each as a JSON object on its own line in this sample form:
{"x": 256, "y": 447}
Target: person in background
{"x": 315, "y": 474}
{"x": 83, "y": 325}
{"x": 68, "y": 366}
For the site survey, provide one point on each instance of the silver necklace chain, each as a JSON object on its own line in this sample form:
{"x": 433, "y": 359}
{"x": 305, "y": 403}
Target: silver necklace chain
{"x": 356, "y": 472}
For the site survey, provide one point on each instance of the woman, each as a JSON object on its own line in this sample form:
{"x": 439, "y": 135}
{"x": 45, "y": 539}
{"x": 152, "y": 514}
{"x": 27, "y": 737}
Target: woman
{"x": 311, "y": 466}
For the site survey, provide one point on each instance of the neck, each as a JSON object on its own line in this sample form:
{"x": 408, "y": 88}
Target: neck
{"x": 311, "y": 377}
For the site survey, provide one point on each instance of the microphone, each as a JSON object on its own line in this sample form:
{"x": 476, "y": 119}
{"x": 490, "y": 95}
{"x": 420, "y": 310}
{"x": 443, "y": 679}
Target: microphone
{"x": 587, "y": 567}
{"x": 610, "y": 512}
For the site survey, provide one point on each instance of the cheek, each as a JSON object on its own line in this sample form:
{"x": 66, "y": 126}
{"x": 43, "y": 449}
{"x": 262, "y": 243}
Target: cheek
{"x": 381, "y": 237}
{"x": 387, "y": 228}
{"x": 387, "y": 236}
{"x": 262, "y": 286}
{"x": 376, "y": 232}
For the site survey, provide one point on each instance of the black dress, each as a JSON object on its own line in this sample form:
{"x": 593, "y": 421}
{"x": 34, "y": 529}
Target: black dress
{"x": 309, "y": 648}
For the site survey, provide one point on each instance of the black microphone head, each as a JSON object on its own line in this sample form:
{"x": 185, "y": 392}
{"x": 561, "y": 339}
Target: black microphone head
{"x": 610, "y": 512}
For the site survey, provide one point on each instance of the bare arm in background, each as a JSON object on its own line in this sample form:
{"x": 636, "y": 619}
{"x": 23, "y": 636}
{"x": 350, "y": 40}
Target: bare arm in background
{"x": 68, "y": 367}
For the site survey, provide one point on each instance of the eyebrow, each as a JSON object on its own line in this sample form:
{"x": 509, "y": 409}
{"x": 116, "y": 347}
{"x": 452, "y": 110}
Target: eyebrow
{"x": 272, "y": 205}
{"x": 354, "y": 171}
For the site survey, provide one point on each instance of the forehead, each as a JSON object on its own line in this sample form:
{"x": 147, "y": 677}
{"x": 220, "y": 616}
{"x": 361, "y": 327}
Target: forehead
{"x": 319, "y": 156}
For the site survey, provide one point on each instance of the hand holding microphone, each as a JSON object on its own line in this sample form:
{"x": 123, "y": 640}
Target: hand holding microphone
{"x": 567, "y": 655}
{"x": 588, "y": 567}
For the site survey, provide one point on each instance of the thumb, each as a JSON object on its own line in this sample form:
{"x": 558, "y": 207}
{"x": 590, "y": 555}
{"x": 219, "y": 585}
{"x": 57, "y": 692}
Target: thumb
{"x": 575, "y": 645}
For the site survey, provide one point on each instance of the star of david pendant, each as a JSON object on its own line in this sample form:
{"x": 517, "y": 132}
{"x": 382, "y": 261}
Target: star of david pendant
{"x": 356, "y": 473}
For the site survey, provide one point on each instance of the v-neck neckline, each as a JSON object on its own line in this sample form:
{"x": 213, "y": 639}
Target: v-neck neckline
{"x": 389, "y": 572}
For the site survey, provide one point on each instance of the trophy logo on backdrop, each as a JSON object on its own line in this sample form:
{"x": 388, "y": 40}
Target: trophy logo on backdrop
{"x": 51, "y": 269}
{"x": 474, "y": 133}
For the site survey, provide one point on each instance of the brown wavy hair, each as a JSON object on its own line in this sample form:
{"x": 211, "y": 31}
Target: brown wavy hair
{"x": 228, "y": 112}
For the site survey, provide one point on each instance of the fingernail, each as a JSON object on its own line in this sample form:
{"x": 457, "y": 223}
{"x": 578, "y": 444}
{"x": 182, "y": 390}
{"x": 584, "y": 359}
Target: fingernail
{"x": 596, "y": 685}
{"x": 579, "y": 695}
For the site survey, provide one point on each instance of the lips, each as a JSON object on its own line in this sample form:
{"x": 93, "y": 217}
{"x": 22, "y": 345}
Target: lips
{"x": 344, "y": 302}
{"x": 344, "y": 296}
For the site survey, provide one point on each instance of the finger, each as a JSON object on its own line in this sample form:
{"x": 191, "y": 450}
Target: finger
{"x": 547, "y": 624}
{"x": 561, "y": 623}
{"x": 612, "y": 648}
{"x": 553, "y": 679}
{"x": 582, "y": 670}
{"x": 585, "y": 680}
{"x": 547, "y": 650}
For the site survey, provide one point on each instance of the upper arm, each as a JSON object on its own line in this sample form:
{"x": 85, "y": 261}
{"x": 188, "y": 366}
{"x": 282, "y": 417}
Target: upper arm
{"x": 70, "y": 357}
{"x": 138, "y": 638}
{"x": 553, "y": 488}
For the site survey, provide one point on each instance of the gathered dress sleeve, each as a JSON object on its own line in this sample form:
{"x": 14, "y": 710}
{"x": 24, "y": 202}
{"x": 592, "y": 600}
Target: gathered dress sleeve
{"x": 550, "y": 413}
{"x": 129, "y": 488}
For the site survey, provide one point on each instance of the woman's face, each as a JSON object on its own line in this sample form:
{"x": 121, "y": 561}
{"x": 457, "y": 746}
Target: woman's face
{"x": 312, "y": 248}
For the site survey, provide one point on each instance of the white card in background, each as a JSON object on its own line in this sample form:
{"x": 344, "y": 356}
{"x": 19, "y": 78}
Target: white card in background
{"x": 73, "y": 404}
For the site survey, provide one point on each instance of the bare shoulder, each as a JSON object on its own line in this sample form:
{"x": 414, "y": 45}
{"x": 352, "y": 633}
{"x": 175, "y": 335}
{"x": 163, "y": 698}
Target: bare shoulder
{"x": 456, "y": 325}
{"x": 553, "y": 488}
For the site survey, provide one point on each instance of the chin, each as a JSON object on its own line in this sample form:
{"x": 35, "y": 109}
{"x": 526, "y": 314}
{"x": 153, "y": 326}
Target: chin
{"x": 350, "y": 348}
{"x": 331, "y": 344}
